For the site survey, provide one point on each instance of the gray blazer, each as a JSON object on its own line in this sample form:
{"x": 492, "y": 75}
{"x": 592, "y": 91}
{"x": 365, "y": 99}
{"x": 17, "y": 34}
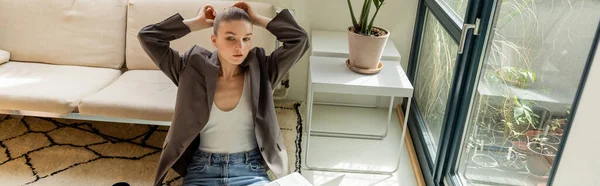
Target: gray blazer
{"x": 196, "y": 73}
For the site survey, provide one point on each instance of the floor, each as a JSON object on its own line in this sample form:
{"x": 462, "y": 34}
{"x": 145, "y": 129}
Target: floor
{"x": 359, "y": 154}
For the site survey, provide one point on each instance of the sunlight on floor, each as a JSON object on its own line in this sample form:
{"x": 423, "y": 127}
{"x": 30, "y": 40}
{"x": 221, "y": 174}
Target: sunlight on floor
{"x": 360, "y": 166}
{"x": 343, "y": 179}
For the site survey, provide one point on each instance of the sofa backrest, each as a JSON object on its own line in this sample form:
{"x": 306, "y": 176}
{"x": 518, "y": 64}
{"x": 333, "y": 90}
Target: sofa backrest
{"x": 64, "y": 32}
{"x": 145, "y": 12}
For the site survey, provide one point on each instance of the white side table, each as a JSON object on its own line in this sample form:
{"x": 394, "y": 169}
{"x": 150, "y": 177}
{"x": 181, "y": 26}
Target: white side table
{"x": 330, "y": 74}
{"x": 335, "y": 44}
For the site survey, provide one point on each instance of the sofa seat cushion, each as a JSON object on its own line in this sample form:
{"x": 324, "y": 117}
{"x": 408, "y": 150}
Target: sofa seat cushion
{"x": 49, "y": 88}
{"x": 137, "y": 94}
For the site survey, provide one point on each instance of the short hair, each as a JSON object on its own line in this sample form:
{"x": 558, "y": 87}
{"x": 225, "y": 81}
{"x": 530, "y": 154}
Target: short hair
{"x": 230, "y": 14}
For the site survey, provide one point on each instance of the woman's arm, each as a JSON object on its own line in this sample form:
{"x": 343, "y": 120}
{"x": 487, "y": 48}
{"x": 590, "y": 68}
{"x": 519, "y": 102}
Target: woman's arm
{"x": 295, "y": 45}
{"x": 257, "y": 19}
{"x": 285, "y": 28}
{"x": 155, "y": 40}
{"x": 204, "y": 20}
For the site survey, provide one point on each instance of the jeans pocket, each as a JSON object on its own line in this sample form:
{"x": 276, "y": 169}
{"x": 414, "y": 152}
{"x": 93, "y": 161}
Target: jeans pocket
{"x": 257, "y": 166}
{"x": 197, "y": 167}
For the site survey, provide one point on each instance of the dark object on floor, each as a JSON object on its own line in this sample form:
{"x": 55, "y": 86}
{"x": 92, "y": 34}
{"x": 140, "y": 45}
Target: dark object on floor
{"x": 121, "y": 184}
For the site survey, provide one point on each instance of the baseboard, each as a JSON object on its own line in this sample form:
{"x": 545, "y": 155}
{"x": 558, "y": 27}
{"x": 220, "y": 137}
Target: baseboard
{"x": 414, "y": 161}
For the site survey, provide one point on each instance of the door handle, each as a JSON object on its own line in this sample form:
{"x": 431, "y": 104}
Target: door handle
{"x": 463, "y": 34}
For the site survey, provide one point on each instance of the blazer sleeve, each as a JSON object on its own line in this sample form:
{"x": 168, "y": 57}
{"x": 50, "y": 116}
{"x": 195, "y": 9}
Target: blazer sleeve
{"x": 155, "y": 40}
{"x": 295, "y": 44}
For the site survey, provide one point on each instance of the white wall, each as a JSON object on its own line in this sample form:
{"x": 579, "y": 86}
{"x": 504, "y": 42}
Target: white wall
{"x": 396, "y": 16}
{"x": 580, "y": 162}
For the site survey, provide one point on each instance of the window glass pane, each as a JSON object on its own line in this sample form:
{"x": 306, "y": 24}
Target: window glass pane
{"x": 433, "y": 79}
{"x": 455, "y": 8}
{"x": 527, "y": 84}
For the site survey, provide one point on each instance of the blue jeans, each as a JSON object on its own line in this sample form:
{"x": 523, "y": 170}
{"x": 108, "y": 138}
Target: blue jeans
{"x": 245, "y": 168}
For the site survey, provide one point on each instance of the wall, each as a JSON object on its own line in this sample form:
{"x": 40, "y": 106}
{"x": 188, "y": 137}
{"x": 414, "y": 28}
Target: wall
{"x": 398, "y": 16}
{"x": 580, "y": 164}
{"x": 333, "y": 15}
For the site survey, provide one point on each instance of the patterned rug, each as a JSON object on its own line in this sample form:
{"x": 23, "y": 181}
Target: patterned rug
{"x": 49, "y": 151}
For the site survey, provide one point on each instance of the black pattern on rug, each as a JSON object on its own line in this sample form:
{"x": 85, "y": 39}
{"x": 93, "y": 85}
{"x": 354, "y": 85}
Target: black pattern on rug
{"x": 298, "y": 139}
{"x": 83, "y": 126}
{"x": 140, "y": 139}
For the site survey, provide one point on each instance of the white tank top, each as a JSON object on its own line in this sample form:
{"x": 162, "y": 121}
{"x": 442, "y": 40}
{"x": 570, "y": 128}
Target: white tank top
{"x": 231, "y": 131}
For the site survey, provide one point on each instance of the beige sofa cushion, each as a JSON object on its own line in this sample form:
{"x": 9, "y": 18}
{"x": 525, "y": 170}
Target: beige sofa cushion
{"x": 137, "y": 94}
{"x": 4, "y": 56}
{"x": 49, "y": 88}
{"x": 66, "y": 32}
{"x": 145, "y": 12}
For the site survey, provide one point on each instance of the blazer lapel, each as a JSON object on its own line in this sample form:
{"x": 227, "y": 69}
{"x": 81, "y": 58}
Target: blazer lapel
{"x": 211, "y": 74}
{"x": 254, "y": 85}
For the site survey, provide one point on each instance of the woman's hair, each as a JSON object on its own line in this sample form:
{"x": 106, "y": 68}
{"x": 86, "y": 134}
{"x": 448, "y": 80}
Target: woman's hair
{"x": 230, "y": 14}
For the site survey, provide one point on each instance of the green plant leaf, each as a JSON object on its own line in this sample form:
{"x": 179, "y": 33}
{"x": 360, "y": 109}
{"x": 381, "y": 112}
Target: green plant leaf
{"x": 364, "y": 13}
{"x": 516, "y": 101}
{"x": 527, "y": 108}
{"x": 533, "y": 76}
{"x": 372, "y": 20}
{"x": 528, "y": 117}
{"x": 365, "y": 17}
{"x": 518, "y": 112}
{"x": 354, "y": 23}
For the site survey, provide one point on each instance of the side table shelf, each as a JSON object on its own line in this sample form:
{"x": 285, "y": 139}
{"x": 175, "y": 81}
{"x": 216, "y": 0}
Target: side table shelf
{"x": 330, "y": 74}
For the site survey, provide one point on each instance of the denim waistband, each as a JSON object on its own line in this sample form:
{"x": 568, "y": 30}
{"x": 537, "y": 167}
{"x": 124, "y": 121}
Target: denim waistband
{"x": 232, "y": 158}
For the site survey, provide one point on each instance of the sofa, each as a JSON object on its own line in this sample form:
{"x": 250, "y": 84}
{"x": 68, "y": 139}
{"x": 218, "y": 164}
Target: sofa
{"x": 82, "y": 59}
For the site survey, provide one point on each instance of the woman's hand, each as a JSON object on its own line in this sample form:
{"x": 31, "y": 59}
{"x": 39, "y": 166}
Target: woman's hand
{"x": 256, "y": 19}
{"x": 205, "y": 19}
{"x": 246, "y": 7}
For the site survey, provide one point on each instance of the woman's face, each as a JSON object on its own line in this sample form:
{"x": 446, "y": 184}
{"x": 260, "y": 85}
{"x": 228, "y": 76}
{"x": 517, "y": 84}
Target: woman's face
{"x": 233, "y": 41}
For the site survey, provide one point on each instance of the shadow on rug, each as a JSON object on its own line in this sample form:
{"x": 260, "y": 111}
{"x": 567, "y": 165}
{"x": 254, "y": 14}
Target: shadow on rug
{"x": 49, "y": 151}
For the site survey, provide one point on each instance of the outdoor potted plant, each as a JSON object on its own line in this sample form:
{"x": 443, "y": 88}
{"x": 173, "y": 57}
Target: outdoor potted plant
{"x": 556, "y": 126}
{"x": 560, "y": 123}
{"x": 540, "y": 156}
{"x": 517, "y": 77}
{"x": 519, "y": 116}
{"x": 365, "y": 41}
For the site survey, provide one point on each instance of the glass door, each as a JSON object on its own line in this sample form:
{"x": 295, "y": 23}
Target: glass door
{"x": 520, "y": 93}
{"x": 495, "y": 85}
{"x": 446, "y": 32}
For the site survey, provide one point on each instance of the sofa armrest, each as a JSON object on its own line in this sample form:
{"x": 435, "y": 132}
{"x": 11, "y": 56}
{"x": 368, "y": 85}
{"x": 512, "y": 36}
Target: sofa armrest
{"x": 4, "y": 56}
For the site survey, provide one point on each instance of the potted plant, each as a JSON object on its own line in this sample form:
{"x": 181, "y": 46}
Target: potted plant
{"x": 556, "y": 126}
{"x": 559, "y": 124}
{"x": 563, "y": 121}
{"x": 365, "y": 41}
{"x": 517, "y": 77}
{"x": 518, "y": 116}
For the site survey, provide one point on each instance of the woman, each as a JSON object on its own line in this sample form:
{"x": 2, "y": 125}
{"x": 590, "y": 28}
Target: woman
{"x": 224, "y": 129}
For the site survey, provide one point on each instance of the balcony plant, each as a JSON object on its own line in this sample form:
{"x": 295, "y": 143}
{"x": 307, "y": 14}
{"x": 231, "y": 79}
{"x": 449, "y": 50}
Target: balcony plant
{"x": 517, "y": 77}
